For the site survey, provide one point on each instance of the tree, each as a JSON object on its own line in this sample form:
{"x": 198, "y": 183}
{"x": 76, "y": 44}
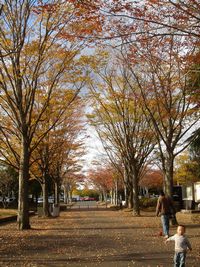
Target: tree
{"x": 152, "y": 179}
{"x": 186, "y": 170}
{"x": 194, "y": 148}
{"x": 103, "y": 179}
{"x": 30, "y": 34}
{"x": 160, "y": 67}
{"x": 162, "y": 17}
{"x": 55, "y": 156}
{"x": 166, "y": 26}
{"x": 8, "y": 183}
{"x": 194, "y": 155}
{"x": 121, "y": 124}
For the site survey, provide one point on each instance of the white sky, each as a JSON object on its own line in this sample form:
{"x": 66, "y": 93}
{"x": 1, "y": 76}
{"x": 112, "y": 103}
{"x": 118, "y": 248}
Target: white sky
{"x": 94, "y": 148}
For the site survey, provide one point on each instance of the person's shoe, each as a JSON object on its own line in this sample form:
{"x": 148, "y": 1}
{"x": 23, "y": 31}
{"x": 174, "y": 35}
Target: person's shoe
{"x": 166, "y": 236}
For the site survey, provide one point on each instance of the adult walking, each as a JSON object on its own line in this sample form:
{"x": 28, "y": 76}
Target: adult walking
{"x": 165, "y": 208}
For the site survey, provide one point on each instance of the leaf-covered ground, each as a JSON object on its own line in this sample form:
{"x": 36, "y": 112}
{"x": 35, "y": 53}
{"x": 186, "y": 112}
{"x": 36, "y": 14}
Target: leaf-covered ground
{"x": 94, "y": 238}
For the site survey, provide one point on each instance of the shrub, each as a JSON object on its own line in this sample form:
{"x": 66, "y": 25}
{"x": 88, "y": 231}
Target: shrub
{"x": 148, "y": 202}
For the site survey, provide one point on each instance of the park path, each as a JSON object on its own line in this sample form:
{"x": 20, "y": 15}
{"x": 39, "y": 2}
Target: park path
{"x": 90, "y": 238}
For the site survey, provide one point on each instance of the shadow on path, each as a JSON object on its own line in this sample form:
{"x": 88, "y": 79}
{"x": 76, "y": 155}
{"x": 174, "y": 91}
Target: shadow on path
{"x": 87, "y": 239}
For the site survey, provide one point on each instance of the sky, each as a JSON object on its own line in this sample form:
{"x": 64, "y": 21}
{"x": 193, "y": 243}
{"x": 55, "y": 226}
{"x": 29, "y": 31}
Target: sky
{"x": 94, "y": 148}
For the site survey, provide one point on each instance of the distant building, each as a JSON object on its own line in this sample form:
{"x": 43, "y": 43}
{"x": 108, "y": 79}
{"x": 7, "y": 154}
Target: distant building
{"x": 191, "y": 195}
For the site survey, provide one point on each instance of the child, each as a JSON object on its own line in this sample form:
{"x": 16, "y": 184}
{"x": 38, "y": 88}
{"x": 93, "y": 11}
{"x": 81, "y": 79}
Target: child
{"x": 181, "y": 246}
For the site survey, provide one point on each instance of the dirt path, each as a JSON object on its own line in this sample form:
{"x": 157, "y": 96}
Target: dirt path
{"x": 93, "y": 238}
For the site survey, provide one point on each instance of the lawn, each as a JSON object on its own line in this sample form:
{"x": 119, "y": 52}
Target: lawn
{"x": 4, "y": 213}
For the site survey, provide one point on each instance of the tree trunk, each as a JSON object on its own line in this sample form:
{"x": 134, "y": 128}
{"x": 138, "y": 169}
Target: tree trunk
{"x": 104, "y": 196}
{"x": 70, "y": 195}
{"x": 45, "y": 197}
{"x": 130, "y": 199}
{"x": 168, "y": 176}
{"x": 112, "y": 196}
{"x": 129, "y": 191}
{"x": 136, "y": 206}
{"x": 125, "y": 195}
{"x": 23, "y": 207}
{"x": 116, "y": 192}
{"x": 57, "y": 200}
{"x": 65, "y": 194}
{"x": 101, "y": 197}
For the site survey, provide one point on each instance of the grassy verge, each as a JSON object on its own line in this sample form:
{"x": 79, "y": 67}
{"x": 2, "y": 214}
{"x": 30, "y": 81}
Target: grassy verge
{"x": 4, "y": 213}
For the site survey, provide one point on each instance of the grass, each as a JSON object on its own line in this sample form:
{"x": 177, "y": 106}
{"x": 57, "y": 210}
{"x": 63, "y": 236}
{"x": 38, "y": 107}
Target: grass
{"x": 4, "y": 213}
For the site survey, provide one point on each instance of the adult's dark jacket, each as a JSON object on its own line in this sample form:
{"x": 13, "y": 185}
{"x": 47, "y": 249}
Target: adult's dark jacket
{"x": 164, "y": 206}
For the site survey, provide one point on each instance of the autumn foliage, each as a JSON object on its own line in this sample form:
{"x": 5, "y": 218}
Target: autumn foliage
{"x": 152, "y": 179}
